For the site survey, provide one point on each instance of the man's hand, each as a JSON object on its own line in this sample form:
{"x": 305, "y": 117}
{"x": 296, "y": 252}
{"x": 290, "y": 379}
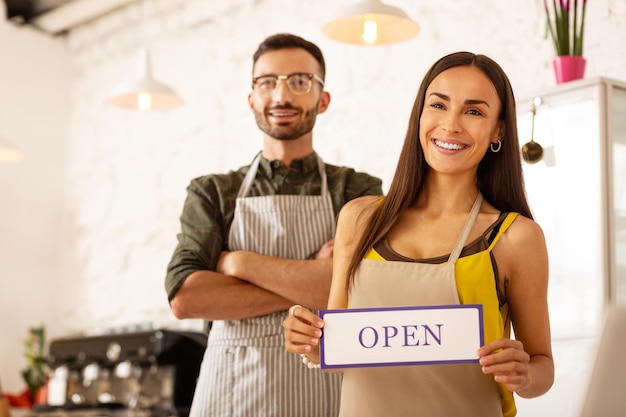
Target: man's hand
{"x": 227, "y": 262}
{"x": 326, "y": 251}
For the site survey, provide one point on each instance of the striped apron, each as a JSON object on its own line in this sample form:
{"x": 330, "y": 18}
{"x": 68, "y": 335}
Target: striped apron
{"x": 246, "y": 370}
{"x": 423, "y": 390}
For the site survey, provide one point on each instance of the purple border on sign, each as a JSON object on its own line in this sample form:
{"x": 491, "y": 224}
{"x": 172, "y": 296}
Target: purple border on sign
{"x": 479, "y": 307}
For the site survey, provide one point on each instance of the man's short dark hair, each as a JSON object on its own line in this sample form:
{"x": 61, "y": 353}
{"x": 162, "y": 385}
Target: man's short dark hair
{"x": 287, "y": 40}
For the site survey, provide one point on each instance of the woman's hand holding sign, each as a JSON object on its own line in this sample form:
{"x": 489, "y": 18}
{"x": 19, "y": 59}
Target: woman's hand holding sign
{"x": 303, "y": 330}
{"x": 508, "y": 362}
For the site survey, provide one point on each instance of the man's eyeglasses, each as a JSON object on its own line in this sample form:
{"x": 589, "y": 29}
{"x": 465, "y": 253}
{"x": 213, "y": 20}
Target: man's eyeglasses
{"x": 298, "y": 83}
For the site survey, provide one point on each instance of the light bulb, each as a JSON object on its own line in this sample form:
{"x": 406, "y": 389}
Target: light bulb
{"x": 144, "y": 101}
{"x": 370, "y": 31}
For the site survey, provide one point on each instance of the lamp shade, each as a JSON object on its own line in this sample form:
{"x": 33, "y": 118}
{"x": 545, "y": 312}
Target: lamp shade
{"x": 144, "y": 92}
{"x": 370, "y": 22}
{"x": 8, "y": 153}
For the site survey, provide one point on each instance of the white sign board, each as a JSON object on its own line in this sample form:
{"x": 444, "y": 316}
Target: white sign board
{"x": 392, "y": 336}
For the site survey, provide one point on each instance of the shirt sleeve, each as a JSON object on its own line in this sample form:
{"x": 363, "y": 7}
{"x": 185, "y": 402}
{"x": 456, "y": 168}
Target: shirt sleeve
{"x": 359, "y": 184}
{"x": 347, "y": 184}
{"x": 202, "y": 234}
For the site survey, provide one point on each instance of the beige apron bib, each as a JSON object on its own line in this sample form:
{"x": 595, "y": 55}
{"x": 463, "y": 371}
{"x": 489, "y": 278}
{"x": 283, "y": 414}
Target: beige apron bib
{"x": 424, "y": 390}
{"x": 246, "y": 371}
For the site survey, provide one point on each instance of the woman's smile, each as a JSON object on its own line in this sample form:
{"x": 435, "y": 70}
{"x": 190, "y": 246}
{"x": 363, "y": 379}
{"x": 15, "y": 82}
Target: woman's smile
{"x": 449, "y": 145}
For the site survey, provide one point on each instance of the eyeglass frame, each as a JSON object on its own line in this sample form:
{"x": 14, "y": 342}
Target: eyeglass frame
{"x": 286, "y": 78}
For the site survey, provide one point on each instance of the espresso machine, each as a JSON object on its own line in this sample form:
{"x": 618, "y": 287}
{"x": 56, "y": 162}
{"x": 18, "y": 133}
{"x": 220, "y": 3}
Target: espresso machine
{"x": 138, "y": 374}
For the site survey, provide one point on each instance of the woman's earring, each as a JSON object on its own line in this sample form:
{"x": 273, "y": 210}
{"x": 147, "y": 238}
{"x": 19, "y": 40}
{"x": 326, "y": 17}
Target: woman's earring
{"x": 496, "y": 149}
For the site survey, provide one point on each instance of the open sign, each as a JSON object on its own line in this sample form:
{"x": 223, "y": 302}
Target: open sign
{"x": 401, "y": 336}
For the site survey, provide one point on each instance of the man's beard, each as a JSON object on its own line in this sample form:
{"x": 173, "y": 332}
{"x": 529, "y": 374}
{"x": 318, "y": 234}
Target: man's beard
{"x": 287, "y": 131}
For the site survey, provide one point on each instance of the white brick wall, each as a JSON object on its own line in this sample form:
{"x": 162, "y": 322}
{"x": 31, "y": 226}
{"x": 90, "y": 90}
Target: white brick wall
{"x": 127, "y": 171}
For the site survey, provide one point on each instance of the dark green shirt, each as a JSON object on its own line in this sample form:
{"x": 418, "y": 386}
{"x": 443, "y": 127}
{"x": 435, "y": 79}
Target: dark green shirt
{"x": 210, "y": 204}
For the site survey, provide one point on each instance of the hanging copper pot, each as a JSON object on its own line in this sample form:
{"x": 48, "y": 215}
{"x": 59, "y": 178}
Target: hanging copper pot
{"x": 532, "y": 152}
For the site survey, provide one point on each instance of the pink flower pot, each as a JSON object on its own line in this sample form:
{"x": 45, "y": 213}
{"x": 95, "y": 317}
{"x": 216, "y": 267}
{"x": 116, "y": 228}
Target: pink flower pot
{"x": 568, "y": 68}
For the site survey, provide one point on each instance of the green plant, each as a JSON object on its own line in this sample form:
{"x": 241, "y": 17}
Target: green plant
{"x": 565, "y": 22}
{"x": 35, "y": 373}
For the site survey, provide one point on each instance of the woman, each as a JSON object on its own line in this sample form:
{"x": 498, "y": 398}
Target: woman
{"x": 457, "y": 198}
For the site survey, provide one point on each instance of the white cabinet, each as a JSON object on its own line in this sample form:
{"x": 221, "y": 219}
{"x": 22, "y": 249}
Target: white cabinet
{"x": 578, "y": 195}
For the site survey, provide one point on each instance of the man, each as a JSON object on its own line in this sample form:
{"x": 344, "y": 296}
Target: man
{"x": 257, "y": 240}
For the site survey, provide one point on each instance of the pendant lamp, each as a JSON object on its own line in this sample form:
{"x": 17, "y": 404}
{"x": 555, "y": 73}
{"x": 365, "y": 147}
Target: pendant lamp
{"x": 370, "y": 22}
{"x": 144, "y": 92}
{"x": 8, "y": 153}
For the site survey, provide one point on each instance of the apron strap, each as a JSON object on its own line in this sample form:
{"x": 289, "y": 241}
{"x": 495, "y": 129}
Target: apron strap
{"x": 254, "y": 166}
{"x": 322, "y": 170}
{"x": 469, "y": 222}
{"x": 250, "y": 176}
